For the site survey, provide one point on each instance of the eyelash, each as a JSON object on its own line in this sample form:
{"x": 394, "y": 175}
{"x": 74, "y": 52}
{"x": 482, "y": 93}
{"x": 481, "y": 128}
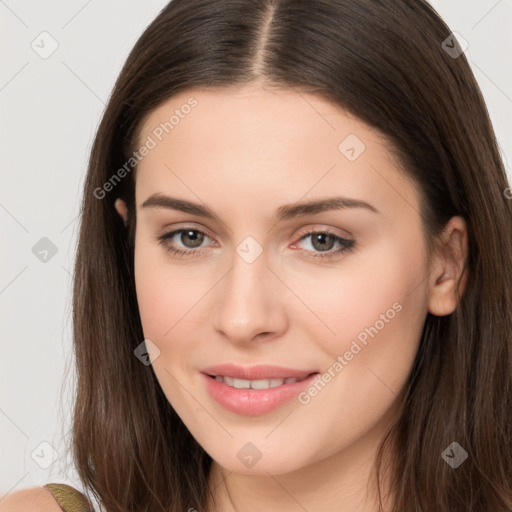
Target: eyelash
{"x": 347, "y": 245}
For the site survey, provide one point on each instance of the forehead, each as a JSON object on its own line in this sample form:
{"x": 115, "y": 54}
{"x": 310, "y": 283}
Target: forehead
{"x": 276, "y": 142}
{"x": 252, "y": 114}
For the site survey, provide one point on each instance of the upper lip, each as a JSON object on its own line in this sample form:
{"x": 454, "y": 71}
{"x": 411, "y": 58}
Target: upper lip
{"x": 262, "y": 371}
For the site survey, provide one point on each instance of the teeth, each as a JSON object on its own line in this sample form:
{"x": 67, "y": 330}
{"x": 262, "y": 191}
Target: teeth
{"x": 255, "y": 384}
{"x": 241, "y": 384}
{"x": 229, "y": 381}
{"x": 265, "y": 383}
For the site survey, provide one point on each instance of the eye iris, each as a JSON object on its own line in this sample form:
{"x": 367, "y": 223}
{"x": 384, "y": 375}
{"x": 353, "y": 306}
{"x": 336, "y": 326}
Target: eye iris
{"x": 320, "y": 237}
{"x": 196, "y": 236}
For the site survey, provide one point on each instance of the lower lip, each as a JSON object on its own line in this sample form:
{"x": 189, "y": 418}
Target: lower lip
{"x": 253, "y": 402}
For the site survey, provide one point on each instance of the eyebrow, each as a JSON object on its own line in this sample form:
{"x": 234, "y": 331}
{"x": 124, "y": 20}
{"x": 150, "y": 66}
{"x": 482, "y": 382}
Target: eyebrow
{"x": 284, "y": 212}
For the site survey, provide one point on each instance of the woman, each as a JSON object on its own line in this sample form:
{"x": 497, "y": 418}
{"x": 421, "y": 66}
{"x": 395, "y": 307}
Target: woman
{"x": 293, "y": 279}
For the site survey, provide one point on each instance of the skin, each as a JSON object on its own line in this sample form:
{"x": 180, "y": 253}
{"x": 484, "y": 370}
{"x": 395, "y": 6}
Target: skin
{"x": 244, "y": 153}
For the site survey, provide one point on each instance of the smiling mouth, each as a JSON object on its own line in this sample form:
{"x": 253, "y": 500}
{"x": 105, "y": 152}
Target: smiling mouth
{"x": 257, "y": 383}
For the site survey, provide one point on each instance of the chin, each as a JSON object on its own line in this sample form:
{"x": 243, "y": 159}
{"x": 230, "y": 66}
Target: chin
{"x": 272, "y": 464}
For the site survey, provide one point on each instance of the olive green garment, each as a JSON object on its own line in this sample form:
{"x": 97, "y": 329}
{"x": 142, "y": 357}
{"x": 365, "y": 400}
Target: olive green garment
{"x": 69, "y": 498}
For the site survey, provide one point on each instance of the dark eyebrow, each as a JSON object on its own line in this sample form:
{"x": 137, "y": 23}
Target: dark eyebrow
{"x": 333, "y": 203}
{"x": 282, "y": 213}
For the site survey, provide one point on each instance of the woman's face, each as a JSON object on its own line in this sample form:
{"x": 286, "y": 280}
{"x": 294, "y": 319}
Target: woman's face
{"x": 339, "y": 290}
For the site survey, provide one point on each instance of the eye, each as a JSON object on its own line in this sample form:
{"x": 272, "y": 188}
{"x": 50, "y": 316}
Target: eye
{"x": 190, "y": 238}
{"x": 322, "y": 243}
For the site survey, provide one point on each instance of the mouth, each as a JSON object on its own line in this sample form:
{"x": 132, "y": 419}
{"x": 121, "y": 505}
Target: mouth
{"x": 257, "y": 372}
{"x": 255, "y": 390}
{"x": 257, "y": 383}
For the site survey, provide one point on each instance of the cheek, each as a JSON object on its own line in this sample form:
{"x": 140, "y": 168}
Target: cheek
{"x": 170, "y": 296}
{"x": 161, "y": 295}
{"x": 154, "y": 295}
{"x": 375, "y": 287}
{"x": 376, "y": 307}
{"x": 166, "y": 296}
{"x": 378, "y": 323}
{"x": 380, "y": 316}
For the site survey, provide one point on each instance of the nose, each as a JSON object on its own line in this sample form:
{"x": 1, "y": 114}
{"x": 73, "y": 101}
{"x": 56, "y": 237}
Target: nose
{"x": 249, "y": 302}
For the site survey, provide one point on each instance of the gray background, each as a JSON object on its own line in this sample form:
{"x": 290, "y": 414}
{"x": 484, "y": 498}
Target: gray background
{"x": 50, "y": 110}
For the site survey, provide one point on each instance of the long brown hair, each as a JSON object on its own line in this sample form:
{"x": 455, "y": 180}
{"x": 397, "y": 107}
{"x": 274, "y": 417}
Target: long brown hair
{"x": 384, "y": 62}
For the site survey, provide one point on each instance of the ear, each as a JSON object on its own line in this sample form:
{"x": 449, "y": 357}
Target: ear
{"x": 448, "y": 268}
{"x": 122, "y": 209}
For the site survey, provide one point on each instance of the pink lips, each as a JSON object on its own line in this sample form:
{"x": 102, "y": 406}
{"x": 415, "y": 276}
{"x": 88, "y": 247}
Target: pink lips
{"x": 255, "y": 401}
{"x": 262, "y": 371}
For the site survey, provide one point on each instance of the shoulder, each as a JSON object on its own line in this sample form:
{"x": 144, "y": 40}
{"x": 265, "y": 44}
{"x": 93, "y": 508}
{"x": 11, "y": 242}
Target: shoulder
{"x": 33, "y": 499}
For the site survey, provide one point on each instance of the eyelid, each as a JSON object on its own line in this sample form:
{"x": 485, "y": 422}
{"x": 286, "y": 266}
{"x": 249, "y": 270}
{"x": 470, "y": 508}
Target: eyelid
{"x": 346, "y": 235}
{"x": 172, "y": 228}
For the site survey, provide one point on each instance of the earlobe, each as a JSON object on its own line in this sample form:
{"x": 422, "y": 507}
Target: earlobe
{"x": 122, "y": 210}
{"x": 448, "y": 279}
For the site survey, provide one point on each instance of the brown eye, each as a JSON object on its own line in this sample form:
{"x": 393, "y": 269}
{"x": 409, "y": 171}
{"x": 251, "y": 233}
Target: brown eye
{"x": 183, "y": 241}
{"x": 194, "y": 235}
{"x": 322, "y": 241}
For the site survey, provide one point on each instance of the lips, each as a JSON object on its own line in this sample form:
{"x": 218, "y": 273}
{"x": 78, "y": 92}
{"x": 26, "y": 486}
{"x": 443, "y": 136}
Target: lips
{"x": 255, "y": 390}
{"x": 258, "y": 372}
